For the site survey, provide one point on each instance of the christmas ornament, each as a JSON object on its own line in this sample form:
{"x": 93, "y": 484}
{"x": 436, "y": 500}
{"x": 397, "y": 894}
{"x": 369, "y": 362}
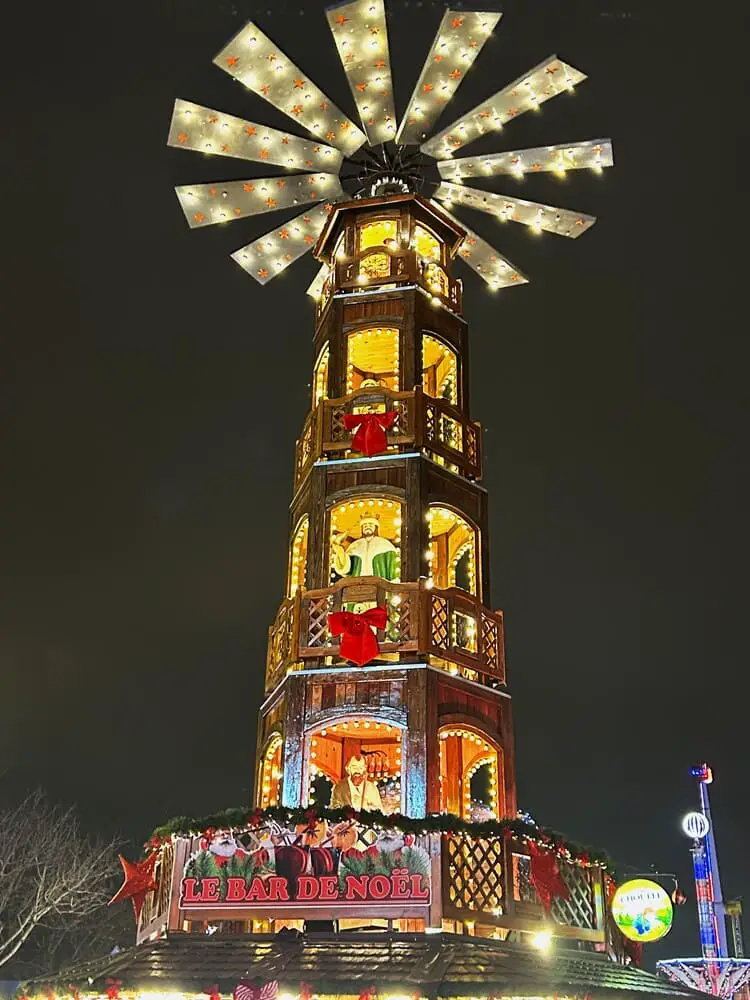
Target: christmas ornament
{"x": 358, "y": 643}
{"x": 546, "y": 877}
{"x": 371, "y": 438}
{"x": 139, "y": 880}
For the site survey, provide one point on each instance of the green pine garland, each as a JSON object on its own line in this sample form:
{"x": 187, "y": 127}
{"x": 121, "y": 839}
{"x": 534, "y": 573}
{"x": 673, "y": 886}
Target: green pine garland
{"x": 237, "y": 819}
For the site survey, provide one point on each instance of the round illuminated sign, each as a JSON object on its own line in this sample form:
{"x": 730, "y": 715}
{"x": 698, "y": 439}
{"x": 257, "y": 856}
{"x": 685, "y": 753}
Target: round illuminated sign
{"x": 642, "y": 910}
{"x": 695, "y": 825}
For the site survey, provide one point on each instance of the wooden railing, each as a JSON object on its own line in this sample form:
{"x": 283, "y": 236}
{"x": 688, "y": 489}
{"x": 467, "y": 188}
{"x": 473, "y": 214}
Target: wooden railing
{"x": 383, "y": 265}
{"x": 450, "y": 627}
{"x": 421, "y": 422}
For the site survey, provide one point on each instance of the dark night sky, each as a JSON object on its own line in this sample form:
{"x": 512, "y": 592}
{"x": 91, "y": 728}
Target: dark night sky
{"x": 152, "y": 394}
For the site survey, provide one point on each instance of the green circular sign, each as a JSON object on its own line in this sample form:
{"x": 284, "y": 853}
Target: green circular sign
{"x": 642, "y": 910}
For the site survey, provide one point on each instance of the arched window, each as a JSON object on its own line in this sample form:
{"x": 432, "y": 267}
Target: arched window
{"x": 271, "y": 773}
{"x": 427, "y": 245}
{"x": 298, "y": 557}
{"x": 373, "y": 359}
{"x": 453, "y": 550}
{"x": 439, "y": 369}
{"x": 471, "y": 775}
{"x": 366, "y": 539}
{"x": 375, "y": 746}
{"x": 384, "y": 232}
{"x": 320, "y": 375}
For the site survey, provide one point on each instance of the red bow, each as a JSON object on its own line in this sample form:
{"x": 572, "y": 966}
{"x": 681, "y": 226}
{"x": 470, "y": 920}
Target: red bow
{"x": 247, "y": 991}
{"x": 546, "y": 877}
{"x": 370, "y": 439}
{"x": 359, "y": 643}
{"x": 113, "y": 988}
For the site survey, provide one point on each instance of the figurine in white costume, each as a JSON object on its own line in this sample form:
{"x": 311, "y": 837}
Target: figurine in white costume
{"x": 368, "y": 555}
{"x": 356, "y": 790}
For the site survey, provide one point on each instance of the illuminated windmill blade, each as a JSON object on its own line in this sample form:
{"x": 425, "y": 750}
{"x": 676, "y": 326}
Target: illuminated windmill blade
{"x": 271, "y": 254}
{"x": 208, "y": 204}
{"x": 459, "y": 40}
{"x": 594, "y": 154}
{"x": 207, "y": 131}
{"x": 361, "y": 35}
{"x": 253, "y": 59}
{"x": 315, "y": 287}
{"x": 529, "y": 213}
{"x": 483, "y": 258}
{"x": 527, "y": 93}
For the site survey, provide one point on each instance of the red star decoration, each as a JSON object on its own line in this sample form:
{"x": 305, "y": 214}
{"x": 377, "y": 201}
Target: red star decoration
{"x": 251, "y": 130}
{"x": 264, "y": 154}
{"x": 361, "y": 86}
{"x": 199, "y": 216}
{"x": 329, "y": 207}
{"x": 457, "y": 22}
{"x": 313, "y": 194}
{"x": 455, "y": 74}
{"x": 308, "y": 163}
{"x": 512, "y": 112}
{"x": 265, "y": 88}
{"x": 345, "y": 126}
{"x": 552, "y": 69}
{"x": 284, "y": 234}
{"x": 287, "y": 256}
{"x": 262, "y": 273}
{"x": 139, "y": 878}
{"x": 271, "y": 202}
{"x": 472, "y": 44}
{"x": 330, "y": 135}
{"x": 427, "y": 88}
{"x": 536, "y": 166}
{"x": 309, "y": 239}
{"x": 484, "y": 114}
{"x": 324, "y": 106}
{"x": 299, "y": 84}
{"x": 297, "y": 109}
{"x": 182, "y": 137}
{"x": 271, "y": 57}
{"x": 471, "y": 241}
{"x": 212, "y": 191}
{"x": 232, "y": 61}
{"x": 380, "y": 64}
{"x": 213, "y": 119}
{"x": 341, "y": 19}
{"x": 438, "y": 58}
{"x": 285, "y": 140}
{"x": 248, "y": 187}
{"x": 280, "y": 184}
{"x": 349, "y": 58}
{"x": 225, "y": 148}
{"x": 310, "y": 180}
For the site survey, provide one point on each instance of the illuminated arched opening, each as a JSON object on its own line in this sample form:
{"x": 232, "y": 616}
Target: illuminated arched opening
{"x": 271, "y": 773}
{"x": 366, "y": 539}
{"x": 375, "y": 745}
{"x": 439, "y": 369}
{"x": 320, "y": 375}
{"x": 373, "y": 359}
{"x": 383, "y": 232}
{"x": 453, "y": 550}
{"x": 471, "y": 775}
{"x": 427, "y": 245}
{"x": 298, "y": 557}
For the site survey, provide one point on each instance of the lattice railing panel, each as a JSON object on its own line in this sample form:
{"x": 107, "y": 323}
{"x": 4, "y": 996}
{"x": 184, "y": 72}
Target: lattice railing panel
{"x": 579, "y": 909}
{"x": 441, "y": 629}
{"x": 474, "y": 874}
{"x": 318, "y": 609}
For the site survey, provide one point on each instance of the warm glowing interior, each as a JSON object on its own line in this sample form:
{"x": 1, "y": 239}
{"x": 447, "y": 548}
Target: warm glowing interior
{"x": 427, "y": 245}
{"x": 452, "y": 553}
{"x": 439, "y": 369}
{"x": 366, "y": 539}
{"x": 298, "y": 557}
{"x": 470, "y": 775}
{"x": 378, "y": 234}
{"x": 270, "y": 776}
{"x": 320, "y": 376}
{"x": 373, "y": 359}
{"x": 331, "y": 748}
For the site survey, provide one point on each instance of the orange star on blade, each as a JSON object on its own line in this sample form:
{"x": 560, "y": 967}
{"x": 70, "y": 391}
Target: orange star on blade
{"x": 265, "y": 88}
{"x": 361, "y": 86}
{"x": 139, "y": 881}
{"x": 306, "y": 218}
{"x": 341, "y": 19}
{"x": 455, "y": 74}
{"x": 263, "y": 273}
{"x": 324, "y": 106}
{"x": 309, "y": 239}
{"x": 285, "y": 140}
{"x": 248, "y": 187}
{"x": 212, "y": 191}
{"x": 316, "y": 149}
{"x": 284, "y": 234}
{"x": 484, "y": 114}
{"x": 199, "y": 216}
{"x": 427, "y": 88}
{"x": 380, "y": 64}
{"x": 264, "y": 154}
{"x": 225, "y": 148}
{"x": 182, "y": 137}
{"x": 213, "y": 119}
{"x": 251, "y": 130}
{"x": 299, "y": 84}
{"x": 237, "y": 211}
{"x": 472, "y": 44}
{"x": 271, "y": 202}
{"x": 330, "y": 135}
{"x": 297, "y": 109}
{"x": 280, "y": 184}
{"x": 551, "y": 69}
{"x": 271, "y": 57}
{"x": 512, "y": 112}
{"x": 438, "y": 58}
{"x": 328, "y": 207}
{"x": 287, "y": 256}
{"x": 308, "y": 163}
{"x": 232, "y": 61}
{"x": 457, "y": 22}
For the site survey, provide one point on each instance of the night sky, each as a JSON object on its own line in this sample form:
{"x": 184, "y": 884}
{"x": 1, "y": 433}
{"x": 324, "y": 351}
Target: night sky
{"x": 152, "y": 393}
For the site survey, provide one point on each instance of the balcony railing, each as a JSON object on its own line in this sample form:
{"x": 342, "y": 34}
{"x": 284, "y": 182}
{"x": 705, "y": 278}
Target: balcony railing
{"x": 421, "y": 422}
{"x": 383, "y": 265}
{"x": 450, "y": 627}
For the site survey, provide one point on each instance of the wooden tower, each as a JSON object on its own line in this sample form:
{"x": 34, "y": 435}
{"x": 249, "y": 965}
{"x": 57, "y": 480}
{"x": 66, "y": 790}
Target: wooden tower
{"x": 405, "y": 529}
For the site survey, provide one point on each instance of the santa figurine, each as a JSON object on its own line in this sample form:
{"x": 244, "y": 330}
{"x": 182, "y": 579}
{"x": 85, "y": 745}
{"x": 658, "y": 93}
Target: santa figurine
{"x": 355, "y": 789}
{"x": 223, "y": 845}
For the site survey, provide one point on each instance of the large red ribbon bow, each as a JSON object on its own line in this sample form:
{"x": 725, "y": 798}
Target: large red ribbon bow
{"x": 545, "y": 876}
{"x": 248, "y": 991}
{"x": 358, "y": 641}
{"x": 370, "y": 439}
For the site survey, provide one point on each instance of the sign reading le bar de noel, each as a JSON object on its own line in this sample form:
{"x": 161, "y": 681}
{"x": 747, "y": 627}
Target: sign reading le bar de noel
{"x": 320, "y": 865}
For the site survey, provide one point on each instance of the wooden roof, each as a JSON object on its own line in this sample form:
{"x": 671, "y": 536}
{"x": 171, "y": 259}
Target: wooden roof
{"x": 439, "y": 965}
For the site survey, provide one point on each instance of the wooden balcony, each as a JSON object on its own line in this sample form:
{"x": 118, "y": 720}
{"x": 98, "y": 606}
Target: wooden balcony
{"x": 449, "y": 628}
{"x": 422, "y": 423}
{"x": 378, "y": 266}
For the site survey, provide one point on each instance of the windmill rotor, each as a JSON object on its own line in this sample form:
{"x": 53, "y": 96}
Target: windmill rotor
{"x": 339, "y": 160}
